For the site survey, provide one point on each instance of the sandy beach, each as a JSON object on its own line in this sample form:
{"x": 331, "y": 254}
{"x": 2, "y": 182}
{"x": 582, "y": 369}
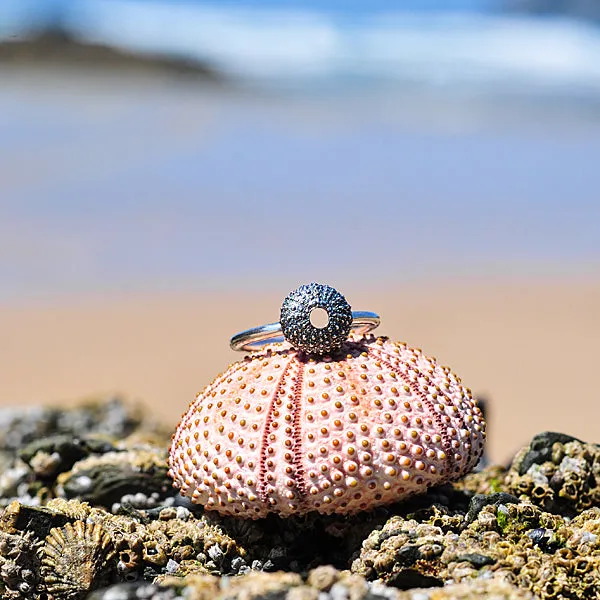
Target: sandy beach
{"x": 529, "y": 349}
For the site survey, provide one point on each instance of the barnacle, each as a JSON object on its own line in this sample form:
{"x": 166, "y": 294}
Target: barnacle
{"x": 19, "y": 565}
{"x": 558, "y": 473}
{"x": 77, "y": 558}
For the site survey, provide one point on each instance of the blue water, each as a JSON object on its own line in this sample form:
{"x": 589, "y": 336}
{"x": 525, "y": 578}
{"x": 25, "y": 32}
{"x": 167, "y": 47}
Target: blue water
{"x": 49, "y": 10}
{"x": 463, "y": 44}
{"x": 109, "y": 186}
{"x": 367, "y": 146}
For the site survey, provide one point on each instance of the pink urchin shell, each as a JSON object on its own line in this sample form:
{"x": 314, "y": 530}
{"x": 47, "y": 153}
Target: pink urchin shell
{"x": 282, "y": 432}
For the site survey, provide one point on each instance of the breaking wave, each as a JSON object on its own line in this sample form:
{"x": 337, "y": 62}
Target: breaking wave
{"x": 476, "y": 51}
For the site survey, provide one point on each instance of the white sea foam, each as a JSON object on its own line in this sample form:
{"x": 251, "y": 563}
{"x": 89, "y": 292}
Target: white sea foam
{"x": 474, "y": 50}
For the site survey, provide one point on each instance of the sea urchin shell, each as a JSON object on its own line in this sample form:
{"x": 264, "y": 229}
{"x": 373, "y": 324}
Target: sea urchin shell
{"x": 288, "y": 433}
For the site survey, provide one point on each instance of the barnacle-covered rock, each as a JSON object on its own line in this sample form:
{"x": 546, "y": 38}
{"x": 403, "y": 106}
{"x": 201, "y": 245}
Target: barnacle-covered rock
{"x": 77, "y": 558}
{"x": 252, "y": 586}
{"x": 17, "y": 518}
{"x": 19, "y": 566}
{"x": 154, "y": 543}
{"x": 73, "y": 510}
{"x": 105, "y": 479}
{"x": 472, "y": 590}
{"x": 324, "y": 583}
{"x": 255, "y": 585}
{"x": 516, "y": 542}
{"x": 38, "y": 444}
{"x": 397, "y": 553}
{"x": 558, "y": 473}
{"x": 140, "y": 543}
{"x": 503, "y": 532}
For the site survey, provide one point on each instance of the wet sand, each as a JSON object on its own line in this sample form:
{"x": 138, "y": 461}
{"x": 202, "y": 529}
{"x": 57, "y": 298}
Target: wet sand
{"x": 531, "y": 349}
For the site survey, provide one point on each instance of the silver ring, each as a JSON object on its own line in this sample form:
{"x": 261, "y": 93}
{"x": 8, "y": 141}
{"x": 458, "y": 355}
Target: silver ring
{"x": 253, "y": 339}
{"x": 295, "y": 326}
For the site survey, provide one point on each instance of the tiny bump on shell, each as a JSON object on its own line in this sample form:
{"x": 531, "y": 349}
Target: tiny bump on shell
{"x": 369, "y": 425}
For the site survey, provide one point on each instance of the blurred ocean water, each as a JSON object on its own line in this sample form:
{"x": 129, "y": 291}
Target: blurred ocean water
{"x": 110, "y": 186}
{"x": 446, "y": 145}
{"x": 466, "y": 44}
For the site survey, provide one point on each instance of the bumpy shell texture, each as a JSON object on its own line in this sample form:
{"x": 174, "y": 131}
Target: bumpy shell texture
{"x": 288, "y": 433}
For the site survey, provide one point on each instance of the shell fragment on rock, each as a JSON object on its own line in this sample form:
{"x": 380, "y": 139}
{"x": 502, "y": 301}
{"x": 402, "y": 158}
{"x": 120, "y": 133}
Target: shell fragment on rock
{"x": 76, "y": 558}
{"x": 282, "y": 432}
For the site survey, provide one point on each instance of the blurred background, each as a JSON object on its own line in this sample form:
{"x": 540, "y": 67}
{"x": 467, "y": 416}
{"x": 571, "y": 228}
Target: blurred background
{"x": 170, "y": 170}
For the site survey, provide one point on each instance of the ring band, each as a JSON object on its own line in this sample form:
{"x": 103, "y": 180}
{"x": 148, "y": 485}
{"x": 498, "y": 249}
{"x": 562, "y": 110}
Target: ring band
{"x": 253, "y": 339}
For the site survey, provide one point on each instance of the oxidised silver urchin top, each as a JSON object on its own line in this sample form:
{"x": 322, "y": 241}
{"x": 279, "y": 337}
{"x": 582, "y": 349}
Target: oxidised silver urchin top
{"x": 296, "y": 327}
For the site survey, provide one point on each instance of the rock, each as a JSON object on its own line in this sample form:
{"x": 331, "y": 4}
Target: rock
{"x": 480, "y": 500}
{"x": 133, "y": 591}
{"x": 18, "y": 518}
{"x": 322, "y": 578}
{"x": 540, "y": 449}
{"x": 529, "y": 530}
{"x": 557, "y": 473}
{"x": 57, "y": 46}
{"x": 106, "y": 479}
{"x": 57, "y": 453}
{"x": 473, "y": 590}
{"x": 106, "y": 416}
